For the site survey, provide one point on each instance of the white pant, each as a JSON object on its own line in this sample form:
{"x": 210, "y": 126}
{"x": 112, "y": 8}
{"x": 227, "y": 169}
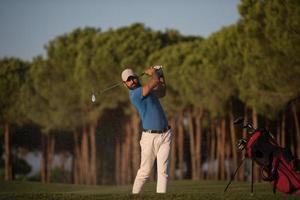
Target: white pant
{"x": 154, "y": 145}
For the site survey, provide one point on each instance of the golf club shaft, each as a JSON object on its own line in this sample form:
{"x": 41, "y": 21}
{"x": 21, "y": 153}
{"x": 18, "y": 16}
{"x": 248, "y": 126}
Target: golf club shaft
{"x": 109, "y": 88}
{"x": 114, "y": 86}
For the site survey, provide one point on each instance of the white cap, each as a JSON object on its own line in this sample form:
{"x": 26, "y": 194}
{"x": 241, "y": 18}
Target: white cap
{"x": 126, "y": 73}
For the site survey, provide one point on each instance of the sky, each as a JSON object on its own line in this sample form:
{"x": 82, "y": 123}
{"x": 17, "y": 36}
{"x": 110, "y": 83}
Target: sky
{"x": 26, "y": 26}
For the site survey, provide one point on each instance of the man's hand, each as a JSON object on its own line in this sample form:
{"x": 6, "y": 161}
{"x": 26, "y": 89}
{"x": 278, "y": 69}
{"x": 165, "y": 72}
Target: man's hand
{"x": 160, "y": 90}
{"x": 157, "y": 67}
{"x": 150, "y": 71}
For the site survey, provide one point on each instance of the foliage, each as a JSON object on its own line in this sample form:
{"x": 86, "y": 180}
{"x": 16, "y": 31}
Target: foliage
{"x": 12, "y": 77}
{"x": 271, "y": 53}
{"x": 173, "y": 58}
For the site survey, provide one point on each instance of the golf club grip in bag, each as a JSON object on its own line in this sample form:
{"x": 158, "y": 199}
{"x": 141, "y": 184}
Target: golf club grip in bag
{"x": 277, "y": 164}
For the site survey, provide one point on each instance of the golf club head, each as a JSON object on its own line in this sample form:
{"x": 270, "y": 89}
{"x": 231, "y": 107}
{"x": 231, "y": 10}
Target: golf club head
{"x": 241, "y": 144}
{"x": 238, "y": 121}
{"x": 250, "y": 129}
{"x": 93, "y": 97}
{"x": 110, "y": 87}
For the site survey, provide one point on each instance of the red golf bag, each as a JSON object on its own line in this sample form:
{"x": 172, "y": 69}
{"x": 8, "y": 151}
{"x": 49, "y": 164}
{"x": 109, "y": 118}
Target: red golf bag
{"x": 277, "y": 164}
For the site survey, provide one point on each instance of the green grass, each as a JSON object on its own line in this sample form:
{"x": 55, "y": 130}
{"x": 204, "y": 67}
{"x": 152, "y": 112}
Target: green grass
{"x": 177, "y": 190}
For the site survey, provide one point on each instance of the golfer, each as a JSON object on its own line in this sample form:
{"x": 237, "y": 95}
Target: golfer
{"x": 156, "y": 136}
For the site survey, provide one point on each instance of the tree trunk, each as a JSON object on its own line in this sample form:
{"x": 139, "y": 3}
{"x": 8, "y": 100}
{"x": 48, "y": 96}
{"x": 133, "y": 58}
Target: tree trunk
{"x": 218, "y": 151}
{"x": 78, "y": 169}
{"x": 208, "y": 167}
{"x": 128, "y": 154}
{"x": 233, "y": 141}
{"x": 125, "y": 155}
{"x": 50, "y": 153}
{"x": 118, "y": 159}
{"x": 135, "y": 134}
{"x": 44, "y": 159}
{"x": 85, "y": 157}
{"x": 214, "y": 158}
{"x": 297, "y": 134}
{"x": 8, "y": 154}
{"x": 199, "y": 143}
{"x": 222, "y": 147}
{"x": 62, "y": 159}
{"x": 192, "y": 145}
{"x": 282, "y": 142}
{"x": 48, "y": 144}
{"x": 173, "y": 149}
{"x": 122, "y": 165}
{"x": 93, "y": 166}
{"x": 180, "y": 146}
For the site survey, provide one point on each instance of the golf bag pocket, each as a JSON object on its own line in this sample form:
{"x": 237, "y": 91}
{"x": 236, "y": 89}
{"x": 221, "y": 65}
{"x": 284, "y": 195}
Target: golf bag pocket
{"x": 278, "y": 165}
{"x": 262, "y": 149}
{"x": 282, "y": 174}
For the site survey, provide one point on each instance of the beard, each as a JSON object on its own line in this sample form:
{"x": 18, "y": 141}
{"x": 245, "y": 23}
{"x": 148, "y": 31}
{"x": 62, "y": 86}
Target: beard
{"x": 134, "y": 86}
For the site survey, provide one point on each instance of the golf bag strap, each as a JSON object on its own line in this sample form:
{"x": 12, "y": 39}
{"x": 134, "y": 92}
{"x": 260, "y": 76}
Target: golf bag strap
{"x": 271, "y": 170}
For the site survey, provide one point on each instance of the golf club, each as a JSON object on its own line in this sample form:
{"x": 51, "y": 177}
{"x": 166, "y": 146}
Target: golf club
{"x": 108, "y": 89}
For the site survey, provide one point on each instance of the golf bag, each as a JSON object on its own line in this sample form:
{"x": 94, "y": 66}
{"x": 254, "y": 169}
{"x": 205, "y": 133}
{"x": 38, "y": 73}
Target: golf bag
{"x": 277, "y": 164}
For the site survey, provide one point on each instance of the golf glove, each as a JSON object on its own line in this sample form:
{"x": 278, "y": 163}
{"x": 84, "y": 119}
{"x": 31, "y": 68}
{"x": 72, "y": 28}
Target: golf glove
{"x": 157, "y": 67}
{"x": 158, "y": 70}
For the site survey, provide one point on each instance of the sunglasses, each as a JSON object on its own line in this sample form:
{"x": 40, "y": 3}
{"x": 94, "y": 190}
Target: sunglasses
{"x": 131, "y": 78}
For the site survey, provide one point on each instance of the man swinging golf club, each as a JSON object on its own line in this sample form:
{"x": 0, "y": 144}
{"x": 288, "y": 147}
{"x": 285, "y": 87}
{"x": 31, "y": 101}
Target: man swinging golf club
{"x": 156, "y": 136}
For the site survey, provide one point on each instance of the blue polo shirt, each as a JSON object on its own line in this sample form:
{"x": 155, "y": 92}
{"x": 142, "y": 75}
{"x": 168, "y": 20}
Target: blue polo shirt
{"x": 149, "y": 108}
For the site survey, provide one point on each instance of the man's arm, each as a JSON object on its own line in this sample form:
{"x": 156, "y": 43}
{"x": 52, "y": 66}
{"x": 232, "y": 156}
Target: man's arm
{"x": 152, "y": 83}
{"x": 156, "y": 83}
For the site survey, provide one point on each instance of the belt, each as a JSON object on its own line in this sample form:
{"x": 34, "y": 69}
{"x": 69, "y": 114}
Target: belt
{"x": 157, "y": 131}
